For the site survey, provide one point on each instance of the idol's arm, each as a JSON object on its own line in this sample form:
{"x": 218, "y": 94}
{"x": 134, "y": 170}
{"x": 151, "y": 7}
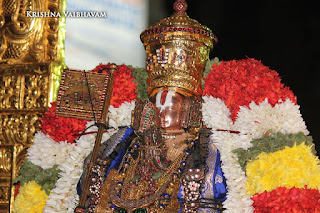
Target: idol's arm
{"x": 109, "y": 157}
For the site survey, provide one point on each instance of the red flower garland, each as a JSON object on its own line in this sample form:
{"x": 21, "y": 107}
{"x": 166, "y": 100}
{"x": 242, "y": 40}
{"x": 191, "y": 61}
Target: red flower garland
{"x": 239, "y": 82}
{"x": 61, "y": 128}
{"x": 283, "y": 200}
{"x": 124, "y": 88}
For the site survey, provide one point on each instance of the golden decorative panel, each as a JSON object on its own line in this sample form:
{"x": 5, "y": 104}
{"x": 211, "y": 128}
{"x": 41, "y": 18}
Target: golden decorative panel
{"x": 6, "y": 157}
{"x": 31, "y": 63}
{"x": 24, "y": 87}
{"x": 24, "y": 94}
{"x": 25, "y": 38}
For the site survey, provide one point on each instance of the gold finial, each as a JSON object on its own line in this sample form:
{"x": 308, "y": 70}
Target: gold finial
{"x": 180, "y": 6}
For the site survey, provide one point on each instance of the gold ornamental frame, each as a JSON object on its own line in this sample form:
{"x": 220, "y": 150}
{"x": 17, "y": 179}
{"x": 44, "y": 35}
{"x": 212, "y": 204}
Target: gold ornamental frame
{"x": 31, "y": 62}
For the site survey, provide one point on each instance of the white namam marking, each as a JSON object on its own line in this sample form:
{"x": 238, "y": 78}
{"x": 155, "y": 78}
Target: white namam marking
{"x": 166, "y": 102}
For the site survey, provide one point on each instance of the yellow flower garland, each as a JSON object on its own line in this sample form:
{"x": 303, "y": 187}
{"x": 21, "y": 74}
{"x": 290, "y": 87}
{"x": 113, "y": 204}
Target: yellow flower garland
{"x": 290, "y": 167}
{"x": 31, "y": 199}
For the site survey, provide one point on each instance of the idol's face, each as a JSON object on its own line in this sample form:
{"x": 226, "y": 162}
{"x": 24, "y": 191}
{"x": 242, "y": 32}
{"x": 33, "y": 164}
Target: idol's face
{"x": 170, "y": 106}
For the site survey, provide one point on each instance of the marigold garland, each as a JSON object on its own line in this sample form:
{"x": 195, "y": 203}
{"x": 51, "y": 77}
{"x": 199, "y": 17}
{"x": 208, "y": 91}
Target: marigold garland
{"x": 61, "y": 128}
{"x": 239, "y": 82}
{"x": 269, "y": 143}
{"x": 124, "y": 88}
{"x": 31, "y": 199}
{"x": 284, "y": 200}
{"x": 46, "y": 178}
{"x": 290, "y": 167}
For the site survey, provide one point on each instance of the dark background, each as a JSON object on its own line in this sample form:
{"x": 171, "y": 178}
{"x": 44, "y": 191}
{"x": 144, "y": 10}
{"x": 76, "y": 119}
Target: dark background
{"x": 283, "y": 34}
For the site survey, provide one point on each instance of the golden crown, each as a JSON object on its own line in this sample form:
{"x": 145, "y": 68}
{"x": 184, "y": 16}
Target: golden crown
{"x": 177, "y": 49}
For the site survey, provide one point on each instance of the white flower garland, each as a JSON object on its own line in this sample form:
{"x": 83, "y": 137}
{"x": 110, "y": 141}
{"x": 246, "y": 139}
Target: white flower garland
{"x": 216, "y": 116}
{"x": 64, "y": 198}
{"x": 121, "y": 116}
{"x": 284, "y": 117}
{"x": 46, "y": 153}
{"x": 237, "y": 199}
{"x": 252, "y": 122}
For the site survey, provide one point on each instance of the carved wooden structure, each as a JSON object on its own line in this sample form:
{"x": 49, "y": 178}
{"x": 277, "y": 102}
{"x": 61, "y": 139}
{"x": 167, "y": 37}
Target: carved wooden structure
{"x": 31, "y": 60}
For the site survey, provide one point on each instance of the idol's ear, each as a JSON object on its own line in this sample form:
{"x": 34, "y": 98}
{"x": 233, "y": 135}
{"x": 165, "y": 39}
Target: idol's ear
{"x": 144, "y": 116}
{"x": 192, "y": 116}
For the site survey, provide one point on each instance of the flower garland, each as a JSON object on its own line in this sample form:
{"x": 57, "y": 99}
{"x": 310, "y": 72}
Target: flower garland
{"x": 221, "y": 116}
{"x": 216, "y": 116}
{"x": 259, "y": 118}
{"x": 38, "y": 153}
{"x": 120, "y": 116}
{"x": 63, "y": 197}
{"x": 258, "y": 104}
{"x": 46, "y": 178}
{"x": 283, "y": 200}
{"x": 291, "y": 167}
{"x": 270, "y": 143}
{"x": 124, "y": 88}
{"x": 61, "y": 128}
{"x": 30, "y": 198}
{"x": 239, "y": 82}
{"x": 237, "y": 199}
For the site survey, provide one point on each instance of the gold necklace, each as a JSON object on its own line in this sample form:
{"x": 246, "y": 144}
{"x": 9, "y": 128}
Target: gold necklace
{"x": 163, "y": 183}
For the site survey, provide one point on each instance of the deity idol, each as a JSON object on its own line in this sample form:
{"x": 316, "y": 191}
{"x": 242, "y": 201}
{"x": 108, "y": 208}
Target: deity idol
{"x": 164, "y": 162}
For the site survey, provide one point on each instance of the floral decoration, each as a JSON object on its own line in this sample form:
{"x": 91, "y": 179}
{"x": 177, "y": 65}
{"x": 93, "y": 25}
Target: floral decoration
{"x": 269, "y": 143}
{"x": 120, "y": 116}
{"x": 257, "y": 119}
{"x": 140, "y": 77}
{"x": 61, "y": 128}
{"x": 38, "y": 153}
{"x": 290, "y": 167}
{"x": 238, "y": 201}
{"x": 124, "y": 88}
{"x": 244, "y": 102}
{"x": 64, "y": 197}
{"x": 31, "y": 199}
{"x": 284, "y": 200}
{"x": 45, "y": 178}
{"x": 216, "y": 116}
{"x": 239, "y": 82}
{"x": 264, "y": 118}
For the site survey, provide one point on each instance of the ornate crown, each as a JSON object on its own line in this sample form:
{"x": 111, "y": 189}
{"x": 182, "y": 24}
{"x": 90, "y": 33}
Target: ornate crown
{"x": 177, "y": 49}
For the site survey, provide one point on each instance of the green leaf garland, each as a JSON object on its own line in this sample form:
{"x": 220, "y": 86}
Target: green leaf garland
{"x": 271, "y": 143}
{"x": 45, "y": 177}
{"x": 209, "y": 64}
{"x": 140, "y": 77}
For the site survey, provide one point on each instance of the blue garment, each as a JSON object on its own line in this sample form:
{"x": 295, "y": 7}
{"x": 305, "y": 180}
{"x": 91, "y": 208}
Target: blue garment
{"x": 214, "y": 183}
{"x": 106, "y": 149}
{"x": 116, "y": 163}
{"x": 219, "y": 181}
